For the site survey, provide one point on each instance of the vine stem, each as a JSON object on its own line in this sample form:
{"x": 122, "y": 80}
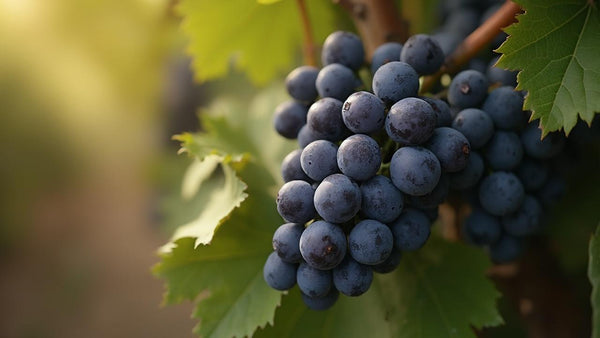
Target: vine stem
{"x": 308, "y": 46}
{"x": 476, "y": 41}
{"x": 377, "y": 22}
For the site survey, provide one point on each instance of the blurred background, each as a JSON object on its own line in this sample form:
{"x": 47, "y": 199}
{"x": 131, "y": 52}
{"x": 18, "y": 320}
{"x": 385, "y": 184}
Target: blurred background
{"x": 90, "y": 94}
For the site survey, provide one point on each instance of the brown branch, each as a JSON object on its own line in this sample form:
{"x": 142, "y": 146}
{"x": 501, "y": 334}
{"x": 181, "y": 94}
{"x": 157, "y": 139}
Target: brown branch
{"x": 476, "y": 41}
{"x": 377, "y": 22}
{"x": 308, "y": 46}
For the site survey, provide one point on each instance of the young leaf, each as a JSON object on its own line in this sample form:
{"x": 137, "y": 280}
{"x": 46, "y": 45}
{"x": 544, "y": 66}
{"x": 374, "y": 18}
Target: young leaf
{"x": 439, "y": 291}
{"x": 594, "y": 275}
{"x": 261, "y": 37}
{"x": 214, "y": 199}
{"x": 225, "y": 277}
{"x": 555, "y": 45}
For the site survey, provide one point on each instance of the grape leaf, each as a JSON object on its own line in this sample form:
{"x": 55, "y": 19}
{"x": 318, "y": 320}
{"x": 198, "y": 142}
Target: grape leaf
{"x": 261, "y": 38}
{"x": 225, "y": 277}
{"x": 555, "y": 45}
{"x": 594, "y": 275}
{"x": 439, "y": 291}
{"x": 214, "y": 198}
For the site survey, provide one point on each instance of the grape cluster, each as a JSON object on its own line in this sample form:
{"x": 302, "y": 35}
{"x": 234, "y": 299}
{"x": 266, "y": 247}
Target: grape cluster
{"x": 373, "y": 167}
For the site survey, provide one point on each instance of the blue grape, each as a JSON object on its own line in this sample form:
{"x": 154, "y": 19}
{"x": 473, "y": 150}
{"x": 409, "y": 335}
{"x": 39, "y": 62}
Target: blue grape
{"x": 501, "y": 76}
{"x": 323, "y": 245}
{"x": 352, "y": 278}
{"x": 423, "y": 53}
{"x": 504, "y": 151}
{"x": 468, "y": 89}
{"x": 286, "y": 242}
{"x": 289, "y": 117}
{"x": 370, "y": 242}
{"x": 505, "y": 107}
{"x": 394, "y": 81}
{"x": 462, "y": 21}
{"x": 295, "y": 202}
{"x": 481, "y": 228}
{"x": 291, "y": 169}
{"x": 532, "y": 173}
{"x": 363, "y": 113}
{"x": 390, "y": 264}
{"x": 526, "y": 220}
{"x": 337, "y": 199}
{"x": 385, "y": 53}
{"x": 359, "y": 157}
{"x": 321, "y": 303}
{"x": 415, "y": 170}
{"x": 432, "y": 199}
{"x": 381, "y": 200}
{"x": 313, "y": 282}
{"x": 501, "y": 193}
{"x": 476, "y": 125}
{"x": 470, "y": 175}
{"x": 431, "y": 213}
{"x": 411, "y": 230}
{"x": 451, "y": 148}
{"x": 441, "y": 110}
{"x": 344, "y": 48}
{"x": 506, "y": 249}
{"x": 535, "y": 147}
{"x": 300, "y": 83}
{"x": 279, "y": 274}
{"x": 324, "y": 119}
{"x": 478, "y": 64}
{"x": 336, "y": 81}
{"x": 410, "y": 121}
{"x": 318, "y": 159}
{"x": 306, "y": 136}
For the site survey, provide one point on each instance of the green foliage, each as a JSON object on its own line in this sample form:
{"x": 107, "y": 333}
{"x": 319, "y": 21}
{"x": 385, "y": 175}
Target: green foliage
{"x": 439, "y": 291}
{"x": 225, "y": 277}
{"x": 555, "y": 45}
{"x": 248, "y": 33}
{"x": 594, "y": 275}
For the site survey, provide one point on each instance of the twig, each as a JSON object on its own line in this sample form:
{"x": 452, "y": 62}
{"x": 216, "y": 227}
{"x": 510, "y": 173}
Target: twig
{"x": 377, "y": 21}
{"x": 308, "y": 46}
{"x": 476, "y": 41}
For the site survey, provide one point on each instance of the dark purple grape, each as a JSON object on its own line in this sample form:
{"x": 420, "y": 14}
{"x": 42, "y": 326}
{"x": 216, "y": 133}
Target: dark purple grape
{"x": 451, "y": 148}
{"x": 336, "y": 81}
{"x": 370, "y": 242}
{"x": 314, "y": 282}
{"x": 344, "y": 48}
{"x": 323, "y": 245}
{"x": 300, "y": 83}
{"x": 363, "y": 113}
{"x": 289, "y": 117}
{"x": 411, "y": 230}
{"x": 476, "y": 125}
{"x": 359, "y": 157}
{"x": 504, "y": 151}
{"x": 321, "y": 303}
{"x": 505, "y": 107}
{"x": 318, "y": 159}
{"x": 468, "y": 89}
{"x": 394, "y": 81}
{"x": 381, "y": 200}
{"x": 295, "y": 202}
{"x": 385, "y": 53}
{"x": 352, "y": 278}
{"x": 337, "y": 199}
{"x": 291, "y": 169}
{"x": 325, "y": 119}
{"x": 286, "y": 242}
{"x": 279, "y": 274}
{"x": 410, "y": 121}
{"x": 501, "y": 193}
{"x": 481, "y": 228}
{"x": 415, "y": 170}
{"x": 423, "y": 53}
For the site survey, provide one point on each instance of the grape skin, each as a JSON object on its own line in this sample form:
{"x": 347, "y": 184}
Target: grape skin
{"x": 423, "y": 53}
{"x": 381, "y": 200}
{"x": 336, "y": 81}
{"x": 415, "y": 170}
{"x": 323, "y": 245}
{"x": 370, "y": 242}
{"x": 394, "y": 81}
{"x": 300, "y": 83}
{"x": 481, "y": 228}
{"x": 411, "y": 230}
{"x": 314, "y": 282}
{"x": 501, "y": 193}
{"x": 410, "y": 121}
{"x": 289, "y": 117}
{"x": 359, "y": 157}
{"x": 385, "y": 53}
{"x": 476, "y": 125}
{"x": 363, "y": 113}
{"x": 345, "y": 48}
{"x": 286, "y": 242}
{"x": 337, "y": 199}
{"x": 468, "y": 89}
{"x": 352, "y": 278}
{"x": 279, "y": 274}
{"x": 318, "y": 159}
{"x": 295, "y": 202}
{"x": 324, "y": 119}
{"x": 450, "y": 147}
{"x": 321, "y": 303}
{"x": 291, "y": 169}
{"x": 504, "y": 151}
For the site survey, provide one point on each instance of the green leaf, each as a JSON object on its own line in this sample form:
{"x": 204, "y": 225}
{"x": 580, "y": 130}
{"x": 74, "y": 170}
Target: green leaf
{"x": 214, "y": 198}
{"x": 556, "y": 45}
{"x": 225, "y": 278}
{"x": 439, "y": 291}
{"x": 594, "y": 275}
{"x": 259, "y": 38}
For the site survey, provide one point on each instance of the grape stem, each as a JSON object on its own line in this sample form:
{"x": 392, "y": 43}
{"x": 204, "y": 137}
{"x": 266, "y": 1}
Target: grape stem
{"x": 308, "y": 45}
{"x": 377, "y": 22}
{"x": 475, "y": 42}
